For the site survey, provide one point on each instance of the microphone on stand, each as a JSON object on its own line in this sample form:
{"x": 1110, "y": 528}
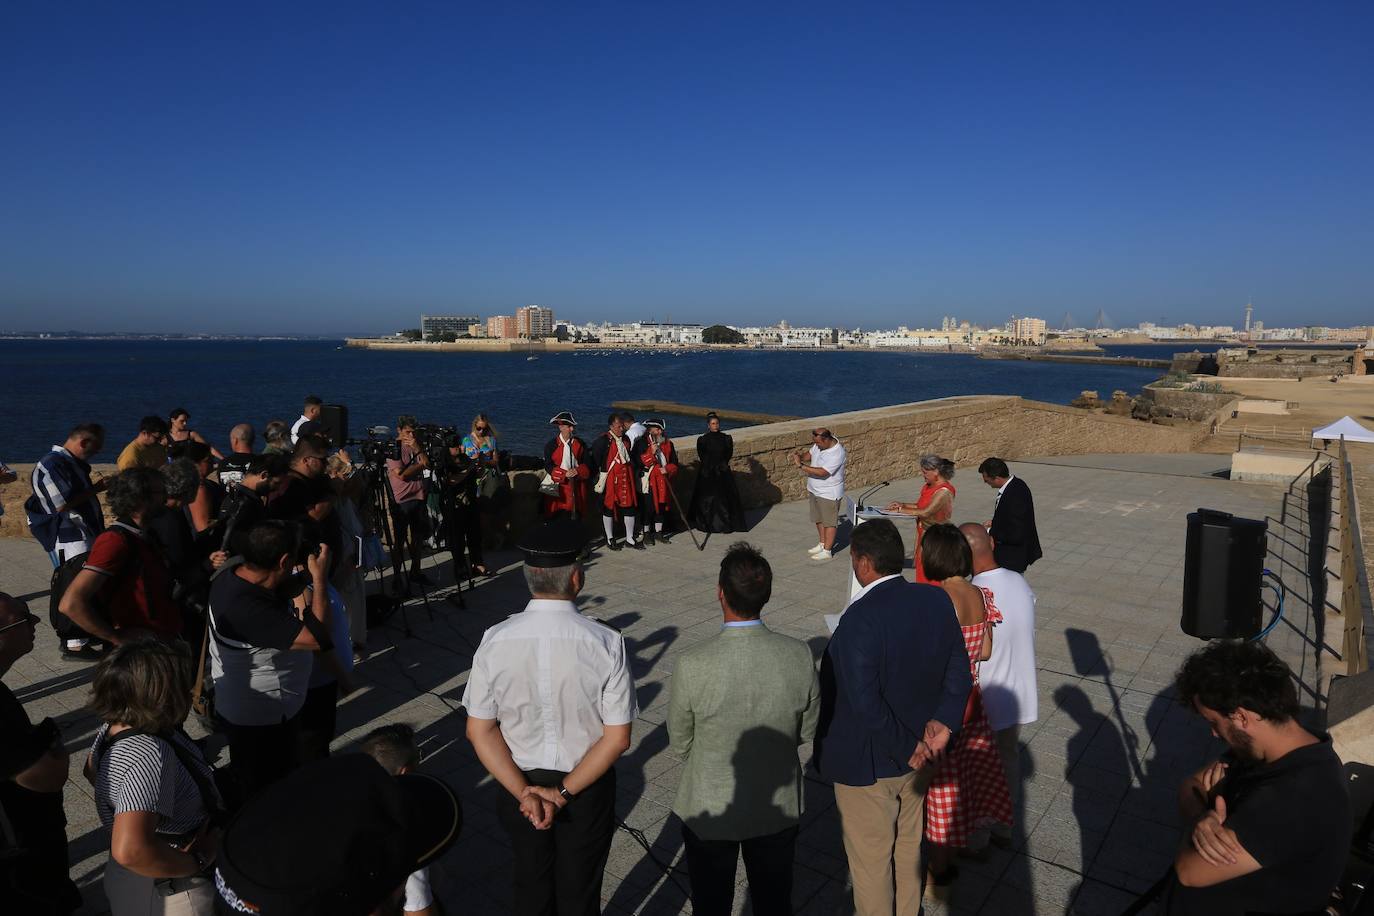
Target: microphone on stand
{"x": 869, "y": 492}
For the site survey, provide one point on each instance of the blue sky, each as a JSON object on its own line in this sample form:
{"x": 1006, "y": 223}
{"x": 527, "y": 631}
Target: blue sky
{"x": 339, "y": 168}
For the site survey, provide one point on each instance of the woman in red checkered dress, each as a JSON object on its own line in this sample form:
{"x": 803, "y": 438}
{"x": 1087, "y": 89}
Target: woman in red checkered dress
{"x": 969, "y": 789}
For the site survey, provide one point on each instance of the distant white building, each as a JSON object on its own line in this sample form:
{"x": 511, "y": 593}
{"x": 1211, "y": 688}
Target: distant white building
{"x": 1027, "y": 330}
{"x": 534, "y": 322}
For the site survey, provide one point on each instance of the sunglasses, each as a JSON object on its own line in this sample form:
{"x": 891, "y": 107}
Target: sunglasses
{"x": 29, "y": 619}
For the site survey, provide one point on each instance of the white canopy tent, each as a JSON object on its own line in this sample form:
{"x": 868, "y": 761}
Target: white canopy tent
{"x": 1345, "y": 426}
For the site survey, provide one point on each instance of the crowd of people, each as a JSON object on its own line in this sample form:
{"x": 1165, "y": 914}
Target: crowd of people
{"x": 242, "y": 598}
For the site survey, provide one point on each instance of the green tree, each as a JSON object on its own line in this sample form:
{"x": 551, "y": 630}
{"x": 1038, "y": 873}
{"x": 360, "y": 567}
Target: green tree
{"x": 720, "y": 334}
{"x": 411, "y": 333}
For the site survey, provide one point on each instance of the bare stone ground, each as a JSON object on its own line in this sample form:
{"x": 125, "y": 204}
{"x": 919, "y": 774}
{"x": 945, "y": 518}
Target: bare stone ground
{"x": 1096, "y": 820}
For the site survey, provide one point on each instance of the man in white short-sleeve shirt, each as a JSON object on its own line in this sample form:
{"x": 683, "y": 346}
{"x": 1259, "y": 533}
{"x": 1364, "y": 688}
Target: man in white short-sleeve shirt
{"x": 550, "y": 702}
{"x": 1008, "y": 678}
{"x": 824, "y": 488}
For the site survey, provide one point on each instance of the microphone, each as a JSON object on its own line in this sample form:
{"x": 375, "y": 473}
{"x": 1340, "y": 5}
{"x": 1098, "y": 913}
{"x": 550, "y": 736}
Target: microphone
{"x": 869, "y": 492}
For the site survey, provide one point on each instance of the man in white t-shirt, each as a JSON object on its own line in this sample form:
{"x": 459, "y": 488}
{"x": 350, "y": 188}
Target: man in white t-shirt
{"x": 825, "y": 488}
{"x": 1008, "y": 678}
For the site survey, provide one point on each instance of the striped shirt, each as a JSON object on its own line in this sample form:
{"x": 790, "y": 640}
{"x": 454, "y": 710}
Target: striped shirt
{"x": 58, "y": 478}
{"x": 142, "y": 773}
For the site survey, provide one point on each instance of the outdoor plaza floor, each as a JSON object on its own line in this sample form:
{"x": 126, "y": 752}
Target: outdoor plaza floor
{"x": 1096, "y": 817}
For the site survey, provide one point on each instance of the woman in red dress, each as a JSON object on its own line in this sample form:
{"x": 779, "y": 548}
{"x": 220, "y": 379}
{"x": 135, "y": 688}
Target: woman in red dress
{"x": 935, "y": 505}
{"x": 969, "y": 789}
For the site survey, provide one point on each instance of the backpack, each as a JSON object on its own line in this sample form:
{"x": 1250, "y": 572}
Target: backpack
{"x": 62, "y": 578}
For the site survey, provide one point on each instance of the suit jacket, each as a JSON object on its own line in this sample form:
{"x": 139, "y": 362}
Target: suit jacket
{"x": 739, "y": 705}
{"x": 896, "y": 661}
{"x": 1016, "y": 543}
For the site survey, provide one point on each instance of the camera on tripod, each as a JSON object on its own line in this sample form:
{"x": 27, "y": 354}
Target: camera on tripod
{"x": 435, "y": 441}
{"x": 378, "y": 448}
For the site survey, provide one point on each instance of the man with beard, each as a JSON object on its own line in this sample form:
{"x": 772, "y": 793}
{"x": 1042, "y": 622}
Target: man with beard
{"x": 658, "y": 460}
{"x": 617, "y": 484}
{"x": 1268, "y": 825}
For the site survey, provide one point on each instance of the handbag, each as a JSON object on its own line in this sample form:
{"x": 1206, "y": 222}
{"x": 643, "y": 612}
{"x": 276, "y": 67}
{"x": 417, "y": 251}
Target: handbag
{"x": 489, "y": 484}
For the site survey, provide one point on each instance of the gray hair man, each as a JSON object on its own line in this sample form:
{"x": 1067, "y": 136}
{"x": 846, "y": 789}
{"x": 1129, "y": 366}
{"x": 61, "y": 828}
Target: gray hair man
{"x": 550, "y": 702}
{"x": 1008, "y": 677}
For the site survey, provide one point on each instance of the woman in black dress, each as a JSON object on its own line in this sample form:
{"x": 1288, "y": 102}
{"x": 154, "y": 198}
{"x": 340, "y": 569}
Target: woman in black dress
{"x": 715, "y": 503}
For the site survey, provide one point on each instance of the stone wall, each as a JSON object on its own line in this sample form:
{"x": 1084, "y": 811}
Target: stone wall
{"x": 1185, "y": 402}
{"x": 884, "y": 443}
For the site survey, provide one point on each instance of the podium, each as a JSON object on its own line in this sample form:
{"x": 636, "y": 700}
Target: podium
{"x": 857, "y": 517}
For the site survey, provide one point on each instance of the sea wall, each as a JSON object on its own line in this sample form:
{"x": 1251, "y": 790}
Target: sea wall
{"x": 1186, "y": 403}
{"x": 884, "y": 443}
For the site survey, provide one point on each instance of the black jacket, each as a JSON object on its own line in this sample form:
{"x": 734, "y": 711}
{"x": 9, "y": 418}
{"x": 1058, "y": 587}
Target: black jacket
{"x": 1016, "y": 544}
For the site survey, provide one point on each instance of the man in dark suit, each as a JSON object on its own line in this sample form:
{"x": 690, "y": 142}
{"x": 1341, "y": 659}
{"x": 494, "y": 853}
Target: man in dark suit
{"x": 894, "y": 681}
{"x": 1016, "y": 544}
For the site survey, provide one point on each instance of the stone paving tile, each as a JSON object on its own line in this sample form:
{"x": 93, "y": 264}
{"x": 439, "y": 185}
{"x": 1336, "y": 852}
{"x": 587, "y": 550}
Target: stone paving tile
{"x": 1095, "y": 819}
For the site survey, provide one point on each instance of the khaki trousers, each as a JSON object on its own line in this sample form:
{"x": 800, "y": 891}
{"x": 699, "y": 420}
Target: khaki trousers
{"x": 882, "y": 826}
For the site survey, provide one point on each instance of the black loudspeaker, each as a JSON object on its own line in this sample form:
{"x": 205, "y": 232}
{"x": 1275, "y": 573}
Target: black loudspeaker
{"x": 1223, "y": 569}
{"x": 334, "y": 423}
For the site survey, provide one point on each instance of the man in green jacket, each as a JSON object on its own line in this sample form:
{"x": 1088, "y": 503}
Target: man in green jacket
{"x": 741, "y": 703}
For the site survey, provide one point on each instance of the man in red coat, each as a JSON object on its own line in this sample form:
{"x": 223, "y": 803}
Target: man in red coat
{"x": 658, "y": 465}
{"x": 618, "y": 482}
{"x": 567, "y": 461}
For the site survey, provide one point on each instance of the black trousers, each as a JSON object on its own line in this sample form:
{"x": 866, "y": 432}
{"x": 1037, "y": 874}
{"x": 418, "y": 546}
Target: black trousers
{"x": 259, "y": 755}
{"x": 318, "y": 721}
{"x": 558, "y": 871}
{"x": 767, "y": 862}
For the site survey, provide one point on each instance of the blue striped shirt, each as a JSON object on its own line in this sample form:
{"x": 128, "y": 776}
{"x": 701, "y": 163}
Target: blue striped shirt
{"x": 58, "y": 478}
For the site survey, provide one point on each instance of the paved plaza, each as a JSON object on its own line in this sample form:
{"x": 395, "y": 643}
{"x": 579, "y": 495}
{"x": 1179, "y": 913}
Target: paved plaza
{"x": 1095, "y": 818}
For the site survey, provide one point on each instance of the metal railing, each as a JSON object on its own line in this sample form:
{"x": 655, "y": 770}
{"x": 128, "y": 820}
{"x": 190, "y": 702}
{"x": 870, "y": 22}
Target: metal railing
{"x": 1353, "y": 653}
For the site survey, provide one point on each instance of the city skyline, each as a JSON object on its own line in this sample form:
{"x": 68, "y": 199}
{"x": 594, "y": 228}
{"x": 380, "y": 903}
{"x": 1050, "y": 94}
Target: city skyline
{"x": 296, "y": 169}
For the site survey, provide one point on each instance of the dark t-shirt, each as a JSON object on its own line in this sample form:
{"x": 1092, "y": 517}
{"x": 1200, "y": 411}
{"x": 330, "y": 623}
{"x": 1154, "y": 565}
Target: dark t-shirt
{"x": 300, "y": 496}
{"x": 1293, "y": 816}
{"x": 36, "y": 817}
{"x": 249, "y": 613}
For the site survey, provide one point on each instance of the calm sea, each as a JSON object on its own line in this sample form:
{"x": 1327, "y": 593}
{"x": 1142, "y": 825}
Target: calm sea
{"x": 50, "y": 385}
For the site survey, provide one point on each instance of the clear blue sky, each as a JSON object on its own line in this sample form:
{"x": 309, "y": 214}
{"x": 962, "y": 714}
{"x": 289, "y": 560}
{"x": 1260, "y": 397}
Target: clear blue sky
{"x": 342, "y": 167}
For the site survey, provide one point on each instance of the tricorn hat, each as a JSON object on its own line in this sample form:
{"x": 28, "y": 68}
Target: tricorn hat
{"x": 563, "y": 417}
{"x": 655, "y": 422}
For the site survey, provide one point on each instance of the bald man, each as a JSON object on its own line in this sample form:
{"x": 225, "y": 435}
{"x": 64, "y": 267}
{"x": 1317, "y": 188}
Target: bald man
{"x": 33, "y": 769}
{"x": 1008, "y": 677}
{"x": 234, "y": 464}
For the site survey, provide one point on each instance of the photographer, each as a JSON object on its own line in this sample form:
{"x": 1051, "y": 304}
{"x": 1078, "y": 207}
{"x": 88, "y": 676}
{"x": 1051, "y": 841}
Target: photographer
{"x": 245, "y": 502}
{"x": 307, "y": 496}
{"x": 260, "y": 649}
{"x": 409, "y": 515}
{"x": 461, "y": 508}
{"x": 190, "y": 558}
{"x": 204, "y": 506}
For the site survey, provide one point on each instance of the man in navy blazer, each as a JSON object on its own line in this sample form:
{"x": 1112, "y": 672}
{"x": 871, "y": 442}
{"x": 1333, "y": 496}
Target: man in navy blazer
{"x": 894, "y": 681}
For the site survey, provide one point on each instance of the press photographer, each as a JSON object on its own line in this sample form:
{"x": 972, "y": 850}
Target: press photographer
{"x": 460, "y": 506}
{"x": 409, "y": 514}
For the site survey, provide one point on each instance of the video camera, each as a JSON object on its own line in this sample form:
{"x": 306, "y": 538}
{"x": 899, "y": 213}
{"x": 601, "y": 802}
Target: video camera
{"x": 378, "y": 448}
{"x": 435, "y": 441}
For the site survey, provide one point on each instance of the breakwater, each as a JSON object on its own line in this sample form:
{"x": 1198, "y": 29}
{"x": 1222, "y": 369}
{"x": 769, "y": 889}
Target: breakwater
{"x": 1066, "y": 358}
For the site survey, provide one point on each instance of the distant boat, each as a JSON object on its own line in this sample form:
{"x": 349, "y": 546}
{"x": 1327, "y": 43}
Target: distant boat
{"x": 530, "y": 359}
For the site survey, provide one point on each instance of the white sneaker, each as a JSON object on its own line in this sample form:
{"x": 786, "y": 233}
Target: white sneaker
{"x": 823, "y": 555}
{"x": 817, "y": 549}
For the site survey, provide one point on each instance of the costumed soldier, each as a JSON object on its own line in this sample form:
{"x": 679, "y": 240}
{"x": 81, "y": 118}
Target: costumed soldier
{"x": 550, "y": 702}
{"x": 617, "y": 485}
{"x": 567, "y": 461}
{"x": 658, "y": 463}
